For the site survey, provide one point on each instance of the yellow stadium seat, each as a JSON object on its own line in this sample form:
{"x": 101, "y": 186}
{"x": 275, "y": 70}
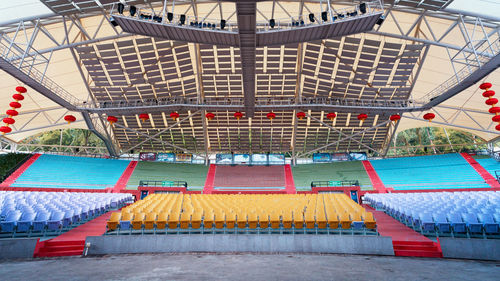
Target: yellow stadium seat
{"x": 369, "y": 220}
{"x": 230, "y": 220}
{"x": 309, "y": 218}
{"x": 149, "y": 222}
{"x": 345, "y": 221}
{"x": 242, "y": 220}
{"x": 219, "y": 219}
{"x": 321, "y": 219}
{"x": 114, "y": 220}
{"x": 333, "y": 220}
{"x": 196, "y": 220}
{"x": 275, "y": 220}
{"x": 252, "y": 220}
{"x": 161, "y": 221}
{"x": 138, "y": 220}
{"x": 298, "y": 220}
{"x": 264, "y": 220}
{"x": 173, "y": 220}
{"x": 287, "y": 220}
{"x": 208, "y": 220}
{"x": 185, "y": 220}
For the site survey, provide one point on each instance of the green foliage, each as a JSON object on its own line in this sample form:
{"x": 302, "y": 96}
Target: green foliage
{"x": 9, "y": 161}
{"x": 70, "y": 137}
{"x": 420, "y": 141}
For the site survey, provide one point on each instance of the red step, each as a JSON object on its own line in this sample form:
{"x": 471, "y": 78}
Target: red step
{"x": 405, "y": 241}
{"x": 377, "y": 183}
{"x": 121, "y": 184}
{"x": 52, "y": 248}
{"x": 487, "y": 177}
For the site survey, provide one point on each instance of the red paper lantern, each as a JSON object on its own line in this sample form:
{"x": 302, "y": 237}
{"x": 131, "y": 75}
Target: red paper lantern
{"x": 429, "y": 116}
{"x": 362, "y": 117}
{"x": 488, "y": 94}
{"x": 21, "y": 89}
{"x": 301, "y": 115}
{"x": 238, "y": 115}
{"x": 331, "y": 116}
{"x": 9, "y": 120}
{"x": 497, "y": 127}
{"x": 144, "y": 117}
{"x": 496, "y": 118}
{"x": 112, "y": 119}
{"x": 271, "y": 115}
{"x": 395, "y": 117}
{"x": 12, "y": 112}
{"x": 494, "y": 110}
{"x": 15, "y": 105}
{"x": 210, "y": 115}
{"x": 491, "y": 101}
{"x": 485, "y": 86}
{"x": 5, "y": 130}
{"x": 18, "y": 97}
{"x": 70, "y": 118}
{"x": 174, "y": 115}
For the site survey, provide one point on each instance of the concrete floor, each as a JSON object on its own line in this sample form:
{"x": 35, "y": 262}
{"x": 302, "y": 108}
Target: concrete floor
{"x": 206, "y": 266}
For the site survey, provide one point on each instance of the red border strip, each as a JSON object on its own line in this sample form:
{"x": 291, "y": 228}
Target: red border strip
{"x": 289, "y": 182}
{"x": 490, "y": 180}
{"x": 377, "y": 183}
{"x": 14, "y": 176}
{"x": 209, "y": 182}
{"x": 121, "y": 184}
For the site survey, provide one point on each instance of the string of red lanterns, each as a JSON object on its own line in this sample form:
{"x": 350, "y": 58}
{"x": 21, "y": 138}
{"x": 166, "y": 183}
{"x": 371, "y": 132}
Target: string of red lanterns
{"x": 13, "y": 112}
{"x": 491, "y": 101}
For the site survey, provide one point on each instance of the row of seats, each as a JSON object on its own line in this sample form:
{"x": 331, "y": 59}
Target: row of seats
{"x": 159, "y": 211}
{"x": 25, "y": 211}
{"x": 55, "y": 171}
{"x": 443, "y": 212}
{"x": 428, "y": 172}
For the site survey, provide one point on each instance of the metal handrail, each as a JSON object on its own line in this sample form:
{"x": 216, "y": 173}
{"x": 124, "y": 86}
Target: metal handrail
{"x": 329, "y": 183}
{"x": 154, "y": 183}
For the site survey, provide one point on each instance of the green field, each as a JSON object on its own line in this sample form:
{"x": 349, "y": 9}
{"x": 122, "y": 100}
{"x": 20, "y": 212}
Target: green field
{"x": 194, "y": 175}
{"x": 304, "y": 174}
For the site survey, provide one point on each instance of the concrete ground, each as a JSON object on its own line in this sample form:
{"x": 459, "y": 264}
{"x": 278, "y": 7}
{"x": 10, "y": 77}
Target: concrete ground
{"x": 205, "y": 266}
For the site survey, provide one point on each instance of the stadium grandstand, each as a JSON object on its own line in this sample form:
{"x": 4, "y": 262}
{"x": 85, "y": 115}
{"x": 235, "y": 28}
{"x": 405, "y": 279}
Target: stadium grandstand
{"x": 263, "y": 136}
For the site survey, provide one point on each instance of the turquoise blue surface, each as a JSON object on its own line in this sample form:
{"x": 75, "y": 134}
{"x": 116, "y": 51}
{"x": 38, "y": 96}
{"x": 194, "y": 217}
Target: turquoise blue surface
{"x": 428, "y": 172}
{"x": 54, "y": 171}
{"x": 489, "y": 164}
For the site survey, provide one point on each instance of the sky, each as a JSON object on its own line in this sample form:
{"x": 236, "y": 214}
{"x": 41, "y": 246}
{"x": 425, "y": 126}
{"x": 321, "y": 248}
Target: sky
{"x": 14, "y": 9}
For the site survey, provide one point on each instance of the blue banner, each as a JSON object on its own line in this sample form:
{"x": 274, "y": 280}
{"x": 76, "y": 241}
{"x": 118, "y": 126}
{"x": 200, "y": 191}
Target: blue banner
{"x": 277, "y": 159}
{"x": 224, "y": 159}
{"x": 241, "y": 159}
{"x": 165, "y": 157}
{"x": 259, "y": 159}
{"x": 321, "y": 157}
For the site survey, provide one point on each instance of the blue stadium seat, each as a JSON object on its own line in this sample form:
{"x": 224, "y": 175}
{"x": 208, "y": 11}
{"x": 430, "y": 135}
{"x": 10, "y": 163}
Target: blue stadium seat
{"x": 442, "y": 223}
{"x": 72, "y": 172}
{"x": 55, "y": 221}
{"x": 26, "y": 221}
{"x": 472, "y": 223}
{"x": 457, "y": 223}
{"x": 489, "y": 224}
{"x": 10, "y": 222}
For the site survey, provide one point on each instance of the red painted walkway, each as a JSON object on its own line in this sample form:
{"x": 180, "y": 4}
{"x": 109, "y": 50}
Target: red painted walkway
{"x": 377, "y": 183}
{"x": 122, "y": 181}
{"x": 490, "y": 180}
{"x": 289, "y": 183}
{"x": 406, "y": 241}
{"x": 14, "y": 176}
{"x": 209, "y": 182}
{"x": 72, "y": 242}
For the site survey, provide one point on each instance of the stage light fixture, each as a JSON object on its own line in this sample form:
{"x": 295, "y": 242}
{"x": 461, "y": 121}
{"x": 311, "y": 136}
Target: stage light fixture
{"x": 121, "y": 7}
{"x": 362, "y": 8}
{"x": 222, "y": 24}
{"x": 133, "y": 10}
{"x": 272, "y": 23}
{"x": 170, "y": 16}
{"x": 324, "y": 16}
{"x": 311, "y": 17}
{"x": 182, "y": 19}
